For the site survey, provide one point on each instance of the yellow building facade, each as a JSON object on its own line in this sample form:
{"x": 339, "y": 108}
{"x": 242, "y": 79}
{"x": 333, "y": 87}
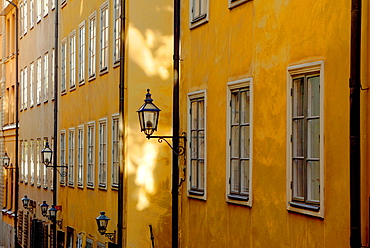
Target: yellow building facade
{"x": 265, "y": 101}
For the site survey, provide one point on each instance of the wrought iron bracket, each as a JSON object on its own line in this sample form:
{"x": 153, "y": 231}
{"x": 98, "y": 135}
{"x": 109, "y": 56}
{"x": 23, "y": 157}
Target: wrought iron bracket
{"x": 59, "y": 223}
{"x": 111, "y": 236}
{"x": 63, "y": 173}
{"x": 180, "y": 150}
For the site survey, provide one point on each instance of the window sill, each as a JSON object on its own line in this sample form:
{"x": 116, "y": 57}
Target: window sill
{"x": 81, "y": 82}
{"x": 92, "y": 77}
{"x": 115, "y": 186}
{"x": 103, "y": 71}
{"x": 45, "y": 187}
{"x": 71, "y": 185}
{"x": 199, "y": 21}
{"x": 233, "y": 4}
{"x": 63, "y": 92}
{"x": 238, "y": 200}
{"x": 103, "y": 187}
{"x": 38, "y": 186}
{"x": 116, "y": 64}
{"x": 90, "y": 186}
{"x": 72, "y": 88}
{"x": 311, "y": 210}
{"x": 45, "y": 101}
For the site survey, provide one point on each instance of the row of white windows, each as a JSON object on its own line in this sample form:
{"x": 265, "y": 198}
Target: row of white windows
{"x": 199, "y": 10}
{"x": 36, "y": 10}
{"x": 75, "y": 158}
{"x": 68, "y": 46}
{"x": 34, "y": 83}
{"x": 304, "y": 141}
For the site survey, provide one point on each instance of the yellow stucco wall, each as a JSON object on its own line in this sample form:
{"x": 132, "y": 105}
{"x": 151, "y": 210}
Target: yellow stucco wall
{"x": 259, "y": 40}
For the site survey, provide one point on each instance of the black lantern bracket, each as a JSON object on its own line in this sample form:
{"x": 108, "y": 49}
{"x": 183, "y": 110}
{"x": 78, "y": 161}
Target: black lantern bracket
{"x": 180, "y": 150}
{"x": 111, "y": 236}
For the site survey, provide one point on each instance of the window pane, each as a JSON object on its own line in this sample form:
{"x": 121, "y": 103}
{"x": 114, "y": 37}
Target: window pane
{"x": 245, "y": 95}
{"x": 244, "y": 180}
{"x": 201, "y": 114}
{"x": 234, "y": 108}
{"x": 201, "y": 144}
{"x": 194, "y": 115}
{"x": 313, "y": 138}
{"x": 313, "y": 96}
{"x": 194, "y": 144}
{"x": 244, "y": 142}
{"x": 194, "y": 178}
{"x": 298, "y": 180}
{"x": 234, "y": 187}
{"x": 235, "y": 141}
{"x": 201, "y": 174}
{"x": 313, "y": 180}
{"x": 298, "y": 138}
{"x": 298, "y": 97}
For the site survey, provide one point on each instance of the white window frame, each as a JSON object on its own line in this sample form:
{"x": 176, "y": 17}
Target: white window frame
{"x": 115, "y": 151}
{"x": 32, "y": 162}
{"x": 25, "y": 156}
{"x": 52, "y": 74}
{"x": 196, "y": 21}
{"x": 104, "y": 37}
{"x": 25, "y": 17}
{"x": 32, "y": 83}
{"x": 38, "y": 81}
{"x": 21, "y": 19}
{"x": 62, "y": 157}
{"x": 235, "y": 3}
{"x": 32, "y": 14}
{"x": 103, "y": 153}
{"x": 81, "y": 52}
{"x": 90, "y": 173}
{"x": 72, "y": 60}
{"x": 38, "y": 162}
{"x": 21, "y": 89}
{"x": 92, "y": 47}
{"x": 80, "y": 156}
{"x": 232, "y": 86}
{"x": 46, "y": 76}
{"x": 71, "y": 156}
{"x": 46, "y": 7}
{"x": 197, "y": 192}
{"x": 38, "y": 10}
{"x": 294, "y": 71}
{"x": 63, "y": 83}
{"x": 117, "y": 32}
{"x": 21, "y": 171}
{"x": 25, "y": 88}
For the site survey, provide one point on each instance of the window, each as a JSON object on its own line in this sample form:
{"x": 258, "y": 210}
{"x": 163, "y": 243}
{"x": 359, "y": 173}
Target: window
{"x": 45, "y": 174}
{"x": 103, "y": 153}
{"x": 21, "y": 89}
{"x": 32, "y": 78}
{"x": 104, "y": 22}
{"x": 25, "y": 162}
{"x": 79, "y": 241}
{"x": 197, "y": 146}
{"x": 90, "y": 154}
{"x": 46, "y": 8}
{"x": 198, "y": 12}
{"x": 25, "y": 17}
{"x": 38, "y": 162}
{"x": 32, "y": 13}
{"x": 80, "y": 156}
{"x": 305, "y": 143}
{"x": 81, "y": 53}
{"x": 32, "y": 162}
{"x": 117, "y": 31}
{"x": 52, "y": 4}
{"x": 115, "y": 151}
{"x": 62, "y": 155}
{"x": 21, "y": 145}
{"x": 71, "y": 156}
{"x": 234, "y": 3}
{"x": 92, "y": 45}
{"x": 21, "y": 19}
{"x": 64, "y": 66}
{"x": 239, "y": 154}
{"x": 38, "y": 9}
{"x": 89, "y": 243}
{"x": 46, "y": 76}
{"x": 72, "y": 60}
{"x": 38, "y": 81}
{"x": 52, "y": 73}
{"x": 25, "y": 88}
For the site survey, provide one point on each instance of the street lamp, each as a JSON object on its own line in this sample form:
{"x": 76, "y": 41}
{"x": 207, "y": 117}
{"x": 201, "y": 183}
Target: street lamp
{"x": 148, "y": 116}
{"x": 46, "y": 155}
{"x": 102, "y": 222}
{"x": 44, "y": 208}
{"x": 25, "y": 201}
{"x": 6, "y": 161}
